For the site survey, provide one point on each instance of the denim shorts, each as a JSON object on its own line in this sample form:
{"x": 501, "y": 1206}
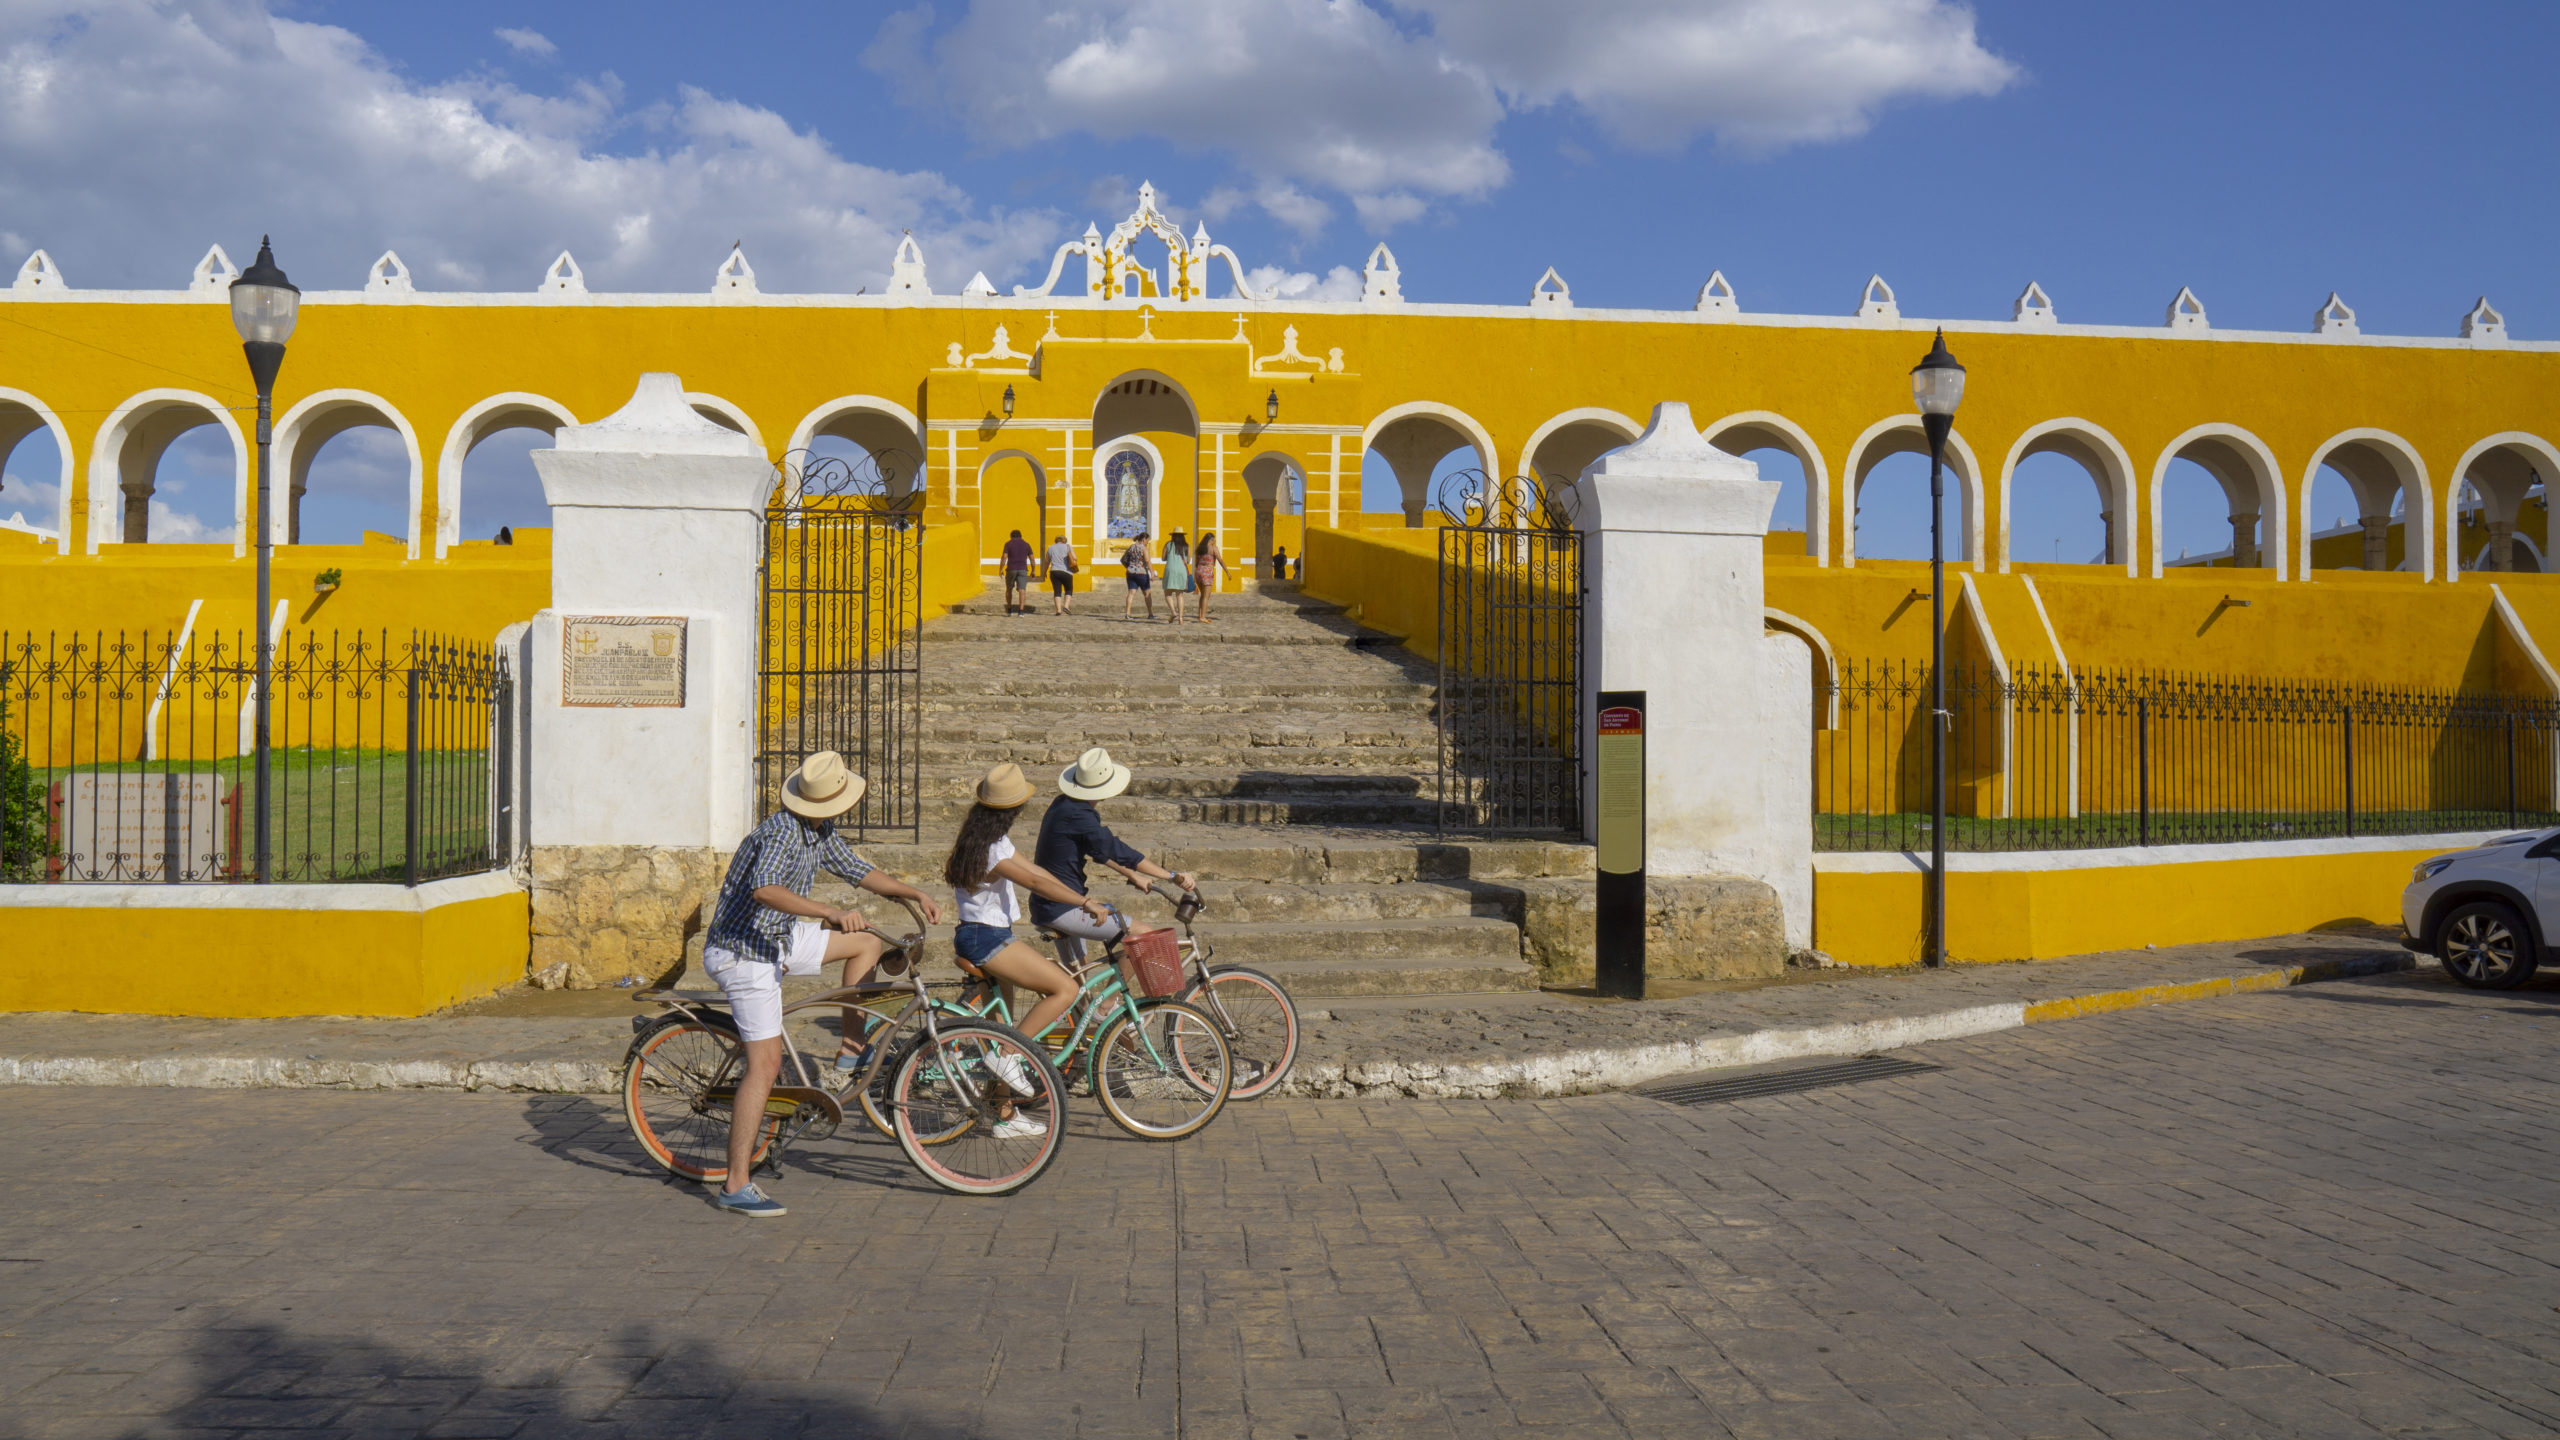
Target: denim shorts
{"x": 979, "y": 943}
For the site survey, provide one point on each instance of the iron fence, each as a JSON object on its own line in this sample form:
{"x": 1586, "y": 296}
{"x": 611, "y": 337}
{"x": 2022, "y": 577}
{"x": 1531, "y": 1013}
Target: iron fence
{"x": 2043, "y": 759}
{"x": 841, "y": 642}
{"x": 1510, "y": 656}
{"x": 129, "y": 756}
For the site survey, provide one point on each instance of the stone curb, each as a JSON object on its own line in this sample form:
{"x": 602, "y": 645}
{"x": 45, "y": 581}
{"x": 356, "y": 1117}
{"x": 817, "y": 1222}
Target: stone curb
{"x": 1573, "y": 1072}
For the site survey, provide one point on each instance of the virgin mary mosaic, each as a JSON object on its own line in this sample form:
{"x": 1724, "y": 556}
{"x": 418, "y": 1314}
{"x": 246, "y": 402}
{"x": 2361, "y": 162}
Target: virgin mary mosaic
{"x": 1124, "y": 483}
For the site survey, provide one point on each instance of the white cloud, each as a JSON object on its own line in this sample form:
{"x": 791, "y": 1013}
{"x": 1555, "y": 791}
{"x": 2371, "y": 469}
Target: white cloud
{"x": 528, "y": 42}
{"x": 38, "y": 502}
{"x": 124, "y": 126}
{"x": 1340, "y": 283}
{"x": 177, "y": 527}
{"x": 1397, "y": 103}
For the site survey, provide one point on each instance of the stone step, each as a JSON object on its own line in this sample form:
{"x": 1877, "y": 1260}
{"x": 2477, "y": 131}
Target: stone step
{"x": 1178, "y": 730}
{"x": 1046, "y": 629}
{"x": 1042, "y": 760}
{"x": 1065, "y": 690}
{"x": 1310, "y": 857}
{"x": 942, "y": 815}
{"x": 951, "y": 702}
{"x": 957, "y": 781}
{"x": 1251, "y": 601}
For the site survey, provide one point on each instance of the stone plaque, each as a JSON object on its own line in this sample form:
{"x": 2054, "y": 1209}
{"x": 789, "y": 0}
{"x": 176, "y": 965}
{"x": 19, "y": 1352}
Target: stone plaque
{"x": 622, "y": 661}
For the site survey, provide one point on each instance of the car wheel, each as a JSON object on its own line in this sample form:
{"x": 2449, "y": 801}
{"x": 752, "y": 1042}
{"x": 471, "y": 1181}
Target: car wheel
{"x": 2484, "y": 946}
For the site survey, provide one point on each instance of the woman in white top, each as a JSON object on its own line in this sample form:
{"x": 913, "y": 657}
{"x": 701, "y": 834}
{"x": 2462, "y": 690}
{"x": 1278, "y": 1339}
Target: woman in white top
{"x": 982, "y": 871}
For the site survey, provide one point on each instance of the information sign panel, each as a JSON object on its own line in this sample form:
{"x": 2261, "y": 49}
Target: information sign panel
{"x": 1618, "y": 796}
{"x": 622, "y": 661}
{"x": 123, "y": 827}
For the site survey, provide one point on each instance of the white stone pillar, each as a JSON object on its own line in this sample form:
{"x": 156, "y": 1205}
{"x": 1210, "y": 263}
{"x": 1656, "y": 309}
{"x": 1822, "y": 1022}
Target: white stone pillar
{"x": 657, "y": 515}
{"x": 1673, "y": 606}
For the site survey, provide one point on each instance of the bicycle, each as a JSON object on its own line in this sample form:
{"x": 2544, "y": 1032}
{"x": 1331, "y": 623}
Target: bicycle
{"x": 939, "y": 1093}
{"x": 1252, "y": 1010}
{"x": 1160, "y": 1068}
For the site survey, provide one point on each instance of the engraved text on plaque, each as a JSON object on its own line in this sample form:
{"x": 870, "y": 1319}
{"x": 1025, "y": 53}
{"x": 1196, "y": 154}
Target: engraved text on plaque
{"x": 634, "y": 661}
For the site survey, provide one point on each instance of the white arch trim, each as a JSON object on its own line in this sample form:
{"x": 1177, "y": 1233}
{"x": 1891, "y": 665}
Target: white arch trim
{"x": 727, "y": 410}
{"x": 321, "y": 405}
{"x": 2520, "y": 439}
{"x": 987, "y": 542}
{"x": 1959, "y": 459}
{"x": 1158, "y": 376}
{"x": 62, "y": 454}
{"x": 1095, "y": 543}
{"x": 2413, "y": 489}
{"x": 811, "y": 423}
{"x": 1455, "y": 418}
{"x": 1586, "y": 414}
{"x": 2273, "y": 513}
{"x": 1817, "y": 475}
{"x": 477, "y": 424}
{"x": 106, "y": 492}
{"x": 1777, "y": 619}
{"x": 2113, "y": 458}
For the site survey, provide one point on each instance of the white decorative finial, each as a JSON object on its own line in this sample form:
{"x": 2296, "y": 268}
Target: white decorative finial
{"x": 564, "y": 278}
{"x": 213, "y": 277}
{"x": 1550, "y": 293}
{"x": 1381, "y": 281}
{"x": 658, "y": 419}
{"x": 1876, "y": 302}
{"x": 2484, "y": 324}
{"x": 2186, "y": 312}
{"x": 736, "y": 279}
{"x": 1716, "y": 299}
{"x": 906, "y": 269}
{"x": 979, "y": 287}
{"x": 2333, "y": 318}
{"x": 2033, "y": 306}
{"x": 40, "y": 276}
{"x": 388, "y": 279}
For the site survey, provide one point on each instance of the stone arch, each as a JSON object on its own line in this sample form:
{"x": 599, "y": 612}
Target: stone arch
{"x": 2502, "y": 467}
{"x": 22, "y": 415}
{"x": 1137, "y": 400}
{"x": 1268, "y": 478}
{"x": 1097, "y": 506}
{"x": 1826, "y": 665}
{"x": 1567, "y": 444}
{"x": 2246, "y": 469}
{"x": 869, "y": 421}
{"x": 125, "y": 459}
{"x": 1902, "y": 435}
{"x": 1748, "y": 430}
{"x": 1413, "y": 438}
{"x": 2108, "y": 465}
{"x": 511, "y": 410}
{"x": 2378, "y": 465}
{"x": 315, "y": 420}
{"x": 725, "y": 414}
{"x": 999, "y": 515}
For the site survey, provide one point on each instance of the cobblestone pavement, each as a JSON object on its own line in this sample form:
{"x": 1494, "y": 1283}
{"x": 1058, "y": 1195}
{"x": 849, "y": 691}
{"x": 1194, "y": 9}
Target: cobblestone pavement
{"x": 2323, "y": 1211}
{"x": 1435, "y": 1029}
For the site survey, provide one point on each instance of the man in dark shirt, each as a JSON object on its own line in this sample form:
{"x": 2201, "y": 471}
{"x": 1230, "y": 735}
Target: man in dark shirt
{"x": 1072, "y": 833}
{"x": 1017, "y": 575}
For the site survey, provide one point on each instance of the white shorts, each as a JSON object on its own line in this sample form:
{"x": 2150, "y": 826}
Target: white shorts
{"x": 754, "y": 987}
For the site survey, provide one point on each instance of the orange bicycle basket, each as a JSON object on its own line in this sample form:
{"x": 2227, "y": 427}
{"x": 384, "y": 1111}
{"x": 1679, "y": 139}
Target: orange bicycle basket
{"x": 1151, "y": 965}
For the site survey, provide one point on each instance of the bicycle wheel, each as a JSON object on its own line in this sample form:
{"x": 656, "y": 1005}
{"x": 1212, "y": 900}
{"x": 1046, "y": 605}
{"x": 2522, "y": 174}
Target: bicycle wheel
{"x": 1164, "y": 1073}
{"x": 667, "y": 1084}
{"x": 944, "y": 1103}
{"x": 1260, "y": 1022}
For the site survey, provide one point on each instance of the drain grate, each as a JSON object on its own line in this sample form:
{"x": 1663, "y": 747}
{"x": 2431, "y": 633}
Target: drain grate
{"x": 1783, "y": 1082}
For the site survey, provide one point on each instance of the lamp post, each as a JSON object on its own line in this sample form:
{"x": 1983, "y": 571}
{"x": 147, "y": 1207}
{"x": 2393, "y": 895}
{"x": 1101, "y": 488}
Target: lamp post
{"x": 1937, "y": 384}
{"x": 1008, "y": 402}
{"x": 1271, "y": 409}
{"x": 264, "y": 305}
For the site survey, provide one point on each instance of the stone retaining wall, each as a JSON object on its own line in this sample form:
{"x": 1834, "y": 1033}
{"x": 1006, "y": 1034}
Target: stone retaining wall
{"x": 604, "y": 913}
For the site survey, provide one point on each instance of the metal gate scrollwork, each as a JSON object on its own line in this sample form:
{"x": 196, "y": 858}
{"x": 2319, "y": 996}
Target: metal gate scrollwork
{"x": 839, "y": 642}
{"x": 1510, "y": 706}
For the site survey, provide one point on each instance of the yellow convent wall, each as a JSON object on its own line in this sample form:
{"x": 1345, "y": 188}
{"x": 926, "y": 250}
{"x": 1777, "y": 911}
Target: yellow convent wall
{"x": 236, "y": 951}
{"x": 1868, "y": 908}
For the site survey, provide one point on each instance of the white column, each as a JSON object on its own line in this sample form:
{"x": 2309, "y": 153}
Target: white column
{"x": 655, "y": 512}
{"x": 1673, "y": 606}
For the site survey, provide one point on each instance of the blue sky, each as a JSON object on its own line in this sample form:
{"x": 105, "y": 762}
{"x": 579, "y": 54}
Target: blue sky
{"x": 2264, "y": 154}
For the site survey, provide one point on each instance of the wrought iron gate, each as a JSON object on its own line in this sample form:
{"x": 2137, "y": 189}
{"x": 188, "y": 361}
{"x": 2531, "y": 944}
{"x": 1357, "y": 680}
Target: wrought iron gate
{"x": 839, "y": 644}
{"x": 1510, "y": 706}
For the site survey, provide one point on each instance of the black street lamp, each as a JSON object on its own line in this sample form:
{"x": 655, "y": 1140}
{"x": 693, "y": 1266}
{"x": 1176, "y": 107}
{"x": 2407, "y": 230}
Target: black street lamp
{"x": 264, "y": 306}
{"x": 1008, "y": 402}
{"x": 1271, "y": 409}
{"x": 1937, "y": 384}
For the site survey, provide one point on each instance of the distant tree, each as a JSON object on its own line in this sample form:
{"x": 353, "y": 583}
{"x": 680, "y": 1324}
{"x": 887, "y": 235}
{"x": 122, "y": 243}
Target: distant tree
{"x": 23, "y": 847}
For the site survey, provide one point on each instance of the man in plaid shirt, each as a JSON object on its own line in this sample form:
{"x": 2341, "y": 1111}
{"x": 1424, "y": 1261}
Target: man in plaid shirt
{"x": 766, "y": 926}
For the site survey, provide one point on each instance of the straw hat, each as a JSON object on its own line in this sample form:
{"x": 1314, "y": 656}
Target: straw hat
{"x": 1005, "y": 788}
{"x": 822, "y": 788}
{"x": 1094, "y": 776}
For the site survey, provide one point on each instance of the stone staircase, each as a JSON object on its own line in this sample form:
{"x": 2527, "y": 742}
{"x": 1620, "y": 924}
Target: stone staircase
{"x": 1283, "y": 754}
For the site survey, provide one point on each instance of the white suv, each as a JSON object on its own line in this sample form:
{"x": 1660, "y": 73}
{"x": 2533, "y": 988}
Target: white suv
{"x": 2485, "y": 912}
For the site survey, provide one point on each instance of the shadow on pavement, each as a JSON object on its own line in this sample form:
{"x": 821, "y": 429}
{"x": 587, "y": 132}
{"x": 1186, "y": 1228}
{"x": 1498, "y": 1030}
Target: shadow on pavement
{"x": 264, "y": 1379}
{"x": 590, "y": 1133}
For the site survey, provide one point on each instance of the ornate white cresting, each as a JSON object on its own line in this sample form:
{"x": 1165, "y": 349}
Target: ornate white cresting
{"x": 979, "y": 287}
{"x": 40, "y": 276}
{"x": 2334, "y": 318}
{"x": 906, "y": 268}
{"x": 2033, "y": 306}
{"x": 388, "y": 279}
{"x": 563, "y": 279}
{"x": 1550, "y": 293}
{"x": 213, "y": 277}
{"x": 1876, "y": 302}
{"x": 736, "y": 279}
{"x": 1381, "y": 280}
{"x": 1716, "y": 299}
{"x": 1110, "y": 263}
{"x": 2186, "y": 312}
{"x": 2484, "y": 323}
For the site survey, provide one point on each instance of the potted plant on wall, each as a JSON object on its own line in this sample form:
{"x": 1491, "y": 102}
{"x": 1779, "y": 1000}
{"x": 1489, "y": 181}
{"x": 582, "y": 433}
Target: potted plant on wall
{"x": 326, "y": 581}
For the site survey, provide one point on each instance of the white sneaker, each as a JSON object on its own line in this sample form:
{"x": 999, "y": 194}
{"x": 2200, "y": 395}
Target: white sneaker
{"x": 1020, "y": 1127}
{"x": 1008, "y": 1068}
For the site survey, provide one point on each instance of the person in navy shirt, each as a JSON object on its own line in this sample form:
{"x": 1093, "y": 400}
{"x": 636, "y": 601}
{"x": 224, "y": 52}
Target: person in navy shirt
{"x": 1071, "y": 834}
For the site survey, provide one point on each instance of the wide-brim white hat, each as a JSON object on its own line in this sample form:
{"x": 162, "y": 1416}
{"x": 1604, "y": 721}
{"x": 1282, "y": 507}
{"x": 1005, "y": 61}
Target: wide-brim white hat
{"x": 1094, "y": 776}
{"x": 823, "y": 788}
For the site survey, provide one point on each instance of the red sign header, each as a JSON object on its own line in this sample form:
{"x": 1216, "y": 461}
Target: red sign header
{"x": 1622, "y": 720}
